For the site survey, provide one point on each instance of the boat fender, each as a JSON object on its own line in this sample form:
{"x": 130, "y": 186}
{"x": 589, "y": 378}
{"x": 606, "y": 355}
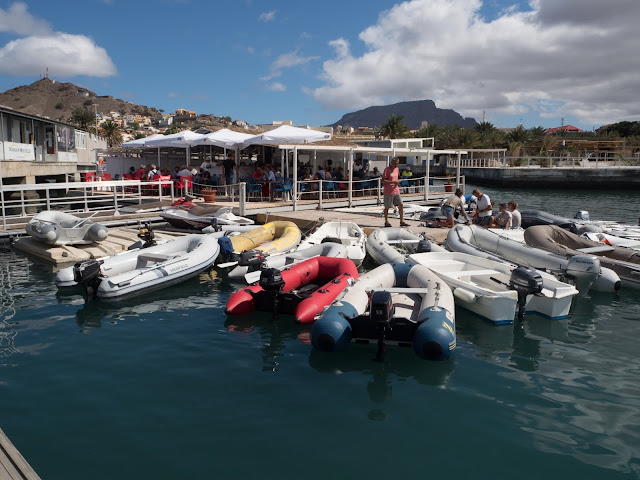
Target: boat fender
{"x": 435, "y": 337}
{"x": 98, "y": 232}
{"x": 608, "y": 281}
{"x": 50, "y": 232}
{"x": 464, "y": 295}
{"x": 332, "y": 332}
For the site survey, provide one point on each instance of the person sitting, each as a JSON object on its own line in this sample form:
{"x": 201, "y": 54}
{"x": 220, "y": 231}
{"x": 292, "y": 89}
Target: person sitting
{"x": 176, "y": 174}
{"x": 516, "y": 218}
{"x": 406, "y": 175}
{"x": 503, "y": 218}
{"x": 139, "y": 173}
{"x": 358, "y": 171}
{"x": 484, "y": 209}
{"x": 257, "y": 174}
{"x": 185, "y": 172}
{"x": 153, "y": 171}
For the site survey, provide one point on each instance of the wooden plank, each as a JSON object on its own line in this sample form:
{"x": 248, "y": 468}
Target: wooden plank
{"x": 13, "y": 463}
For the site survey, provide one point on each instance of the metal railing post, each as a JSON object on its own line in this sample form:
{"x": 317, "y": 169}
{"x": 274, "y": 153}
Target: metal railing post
{"x": 47, "y": 193}
{"x": 86, "y": 200}
{"x": 140, "y": 193}
{"x": 320, "y": 193}
{"x": 243, "y": 197}
{"x": 378, "y": 202}
{"x": 115, "y": 202}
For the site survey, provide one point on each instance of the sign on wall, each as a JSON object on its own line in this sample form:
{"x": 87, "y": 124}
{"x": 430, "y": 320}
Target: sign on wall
{"x": 18, "y": 151}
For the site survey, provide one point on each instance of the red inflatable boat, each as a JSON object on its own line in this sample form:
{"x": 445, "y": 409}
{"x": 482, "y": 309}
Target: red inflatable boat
{"x": 301, "y": 290}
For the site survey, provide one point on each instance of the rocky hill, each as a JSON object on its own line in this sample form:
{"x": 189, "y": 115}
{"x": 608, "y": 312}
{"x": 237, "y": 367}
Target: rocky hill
{"x": 413, "y": 113}
{"x": 49, "y": 98}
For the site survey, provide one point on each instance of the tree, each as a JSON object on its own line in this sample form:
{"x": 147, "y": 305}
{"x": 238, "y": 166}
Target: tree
{"x": 111, "y": 130}
{"x": 83, "y": 118}
{"x": 394, "y": 127}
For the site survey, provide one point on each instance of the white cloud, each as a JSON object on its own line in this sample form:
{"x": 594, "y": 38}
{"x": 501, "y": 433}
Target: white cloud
{"x": 65, "y": 55}
{"x": 40, "y": 47}
{"x": 16, "y": 19}
{"x": 276, "y": 87}
{"x": 267, "y": 16}
{"x": 560, "y": 57}
{"x": 286, "y": 60}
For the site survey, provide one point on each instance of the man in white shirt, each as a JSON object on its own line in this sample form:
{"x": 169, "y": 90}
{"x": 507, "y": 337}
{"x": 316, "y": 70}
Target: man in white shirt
{"x": 484, "y": 209}
{"x": 185, "y": 172}
{"x": 207, "y": 166}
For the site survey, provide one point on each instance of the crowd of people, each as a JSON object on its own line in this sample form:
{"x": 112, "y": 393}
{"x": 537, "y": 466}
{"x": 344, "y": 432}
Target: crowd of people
{"x": 508, "y": 216}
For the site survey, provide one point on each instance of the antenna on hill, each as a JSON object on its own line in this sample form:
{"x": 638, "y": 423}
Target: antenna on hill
{"x": 483, "y": 115}
{"x": 46, "y": 74}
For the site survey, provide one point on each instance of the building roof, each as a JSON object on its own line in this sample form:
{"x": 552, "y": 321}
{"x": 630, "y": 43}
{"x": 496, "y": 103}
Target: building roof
{"x": 564, "y": 128}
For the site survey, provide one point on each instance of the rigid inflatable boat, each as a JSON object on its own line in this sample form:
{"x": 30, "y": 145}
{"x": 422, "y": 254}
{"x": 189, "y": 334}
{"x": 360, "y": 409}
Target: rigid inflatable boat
{"x": 59, "y": 228}
{"x": 584, "y": 271}
{"x": 612, "y": 240}
{"x": 200, "y": 217}
{"x": 142, "y": 270}
{"x": 393, "y": 303}
{"x": 392, "y": 245}
{"x": 252, "y": 262}
{"x": 270, "y": 238}
{"x": 348, "y": 234}
{"x": 624, "y": 261}
{"x": 301, "y": 290}
{"x": 493, "y": 289}
{"x": 580, "y": 223}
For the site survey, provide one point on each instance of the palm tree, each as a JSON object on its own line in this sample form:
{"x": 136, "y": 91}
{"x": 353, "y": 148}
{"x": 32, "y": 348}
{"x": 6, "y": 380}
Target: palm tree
{"x": 83, "y": 118}
{"x": 111, "y": 130}
{"x": 394, "y": 127}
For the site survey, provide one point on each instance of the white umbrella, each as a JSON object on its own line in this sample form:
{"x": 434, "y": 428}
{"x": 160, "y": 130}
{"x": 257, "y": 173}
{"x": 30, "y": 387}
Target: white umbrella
{"x": 287, "y": 134}
{"x": 182, "y": 139}
{"x": 140, "y": 142}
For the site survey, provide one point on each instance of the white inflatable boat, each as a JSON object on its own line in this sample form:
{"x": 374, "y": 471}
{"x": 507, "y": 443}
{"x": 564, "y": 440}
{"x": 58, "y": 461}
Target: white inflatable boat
{"x": 395, "y": 303}
{"x": 584, "y": 271}
{"x": 348, "y": 234}
{"x": 59, "y": 228}
{"x": 252, "y": 262}
{"x": 200, "y": 217}
{"x": 392, "y": 245}
{"x": 490, "y": 288}
{"x": 142, "y": 270}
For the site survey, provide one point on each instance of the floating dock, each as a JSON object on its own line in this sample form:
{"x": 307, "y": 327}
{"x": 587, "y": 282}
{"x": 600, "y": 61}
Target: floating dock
{"x": 13, "y": 466}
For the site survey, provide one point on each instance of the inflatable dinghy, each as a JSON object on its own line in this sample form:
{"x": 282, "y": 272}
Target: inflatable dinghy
{"x": 301, "y": 290}
{"x": 59, "y": 228}
{"x": 392, "y": 245}
{"x": 407, "y": 305}
{"x": 200, "y": 217}
{"x": 348, "y": 234}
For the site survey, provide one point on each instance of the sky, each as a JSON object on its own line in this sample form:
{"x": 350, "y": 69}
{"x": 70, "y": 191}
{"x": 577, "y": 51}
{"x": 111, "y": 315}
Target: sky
{"x": 537, "y": 63}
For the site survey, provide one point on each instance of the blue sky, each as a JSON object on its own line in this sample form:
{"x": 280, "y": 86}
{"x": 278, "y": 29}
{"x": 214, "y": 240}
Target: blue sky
{"x": 534, "y": 63}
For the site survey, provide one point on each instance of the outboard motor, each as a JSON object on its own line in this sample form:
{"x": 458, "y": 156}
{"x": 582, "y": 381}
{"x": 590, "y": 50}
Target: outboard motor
{"x": 381, "y": 312}
{"x": 526, "y": 281}
{"x": 87, "y": 274}
{"x": 272, "y": 282}
{"x": 424, "y": 246}
{"x": 583, "y": 269}
{"x": 582, "y": 215}
{"x": 252, "y": 259}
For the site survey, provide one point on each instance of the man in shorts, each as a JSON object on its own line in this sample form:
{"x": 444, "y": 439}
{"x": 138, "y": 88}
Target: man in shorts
{"x": 391, "y": 192}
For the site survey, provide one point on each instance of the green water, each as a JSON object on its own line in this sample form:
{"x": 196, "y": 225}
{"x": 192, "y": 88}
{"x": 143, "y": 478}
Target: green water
{"x": 165, "y": 387}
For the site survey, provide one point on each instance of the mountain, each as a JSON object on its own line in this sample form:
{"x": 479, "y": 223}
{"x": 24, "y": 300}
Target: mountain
{"x": 413, "y": 113}
{"x": 55, "y": 100}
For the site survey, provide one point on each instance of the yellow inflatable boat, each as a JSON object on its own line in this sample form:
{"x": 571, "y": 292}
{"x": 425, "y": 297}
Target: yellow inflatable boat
{"x": 270, "y": 238}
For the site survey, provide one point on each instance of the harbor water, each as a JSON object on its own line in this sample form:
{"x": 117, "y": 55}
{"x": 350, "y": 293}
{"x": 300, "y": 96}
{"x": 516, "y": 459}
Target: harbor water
{"x": 165, "y": 386}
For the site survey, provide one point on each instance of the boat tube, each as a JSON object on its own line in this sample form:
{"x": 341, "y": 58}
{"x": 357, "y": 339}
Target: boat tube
{"x": 301, "y": 290}
{"x": 59, "y": 228}
{"x": 252, "y": 262}
{"x": 392, "y": 245}
{"x": 143, "y": 270}
{"x": 496, "y": 290}
{"x": 409, "y": 305}
{"x": 270, "y": 238}
{"x": 200, "y": 217}
{"x": 349, "y": 234}
{"x": 624, "y": 261}
{"x": 584, "y": 271}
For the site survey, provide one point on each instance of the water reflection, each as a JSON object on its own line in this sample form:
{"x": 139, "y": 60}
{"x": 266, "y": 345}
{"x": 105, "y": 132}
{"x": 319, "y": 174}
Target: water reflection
{"x": 401, "y": 364}
{"x": 14, "y": 278}
{"x": 273, "y": 334}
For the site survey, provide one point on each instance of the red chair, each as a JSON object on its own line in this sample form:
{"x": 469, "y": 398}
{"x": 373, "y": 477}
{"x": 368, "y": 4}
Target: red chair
{"x": 166, "y": 187}
{"x": 88, "y": 177}
{"x": 127, "y": 176}
{"x": 106, "y": 177}
{"x": 185, "y": 185}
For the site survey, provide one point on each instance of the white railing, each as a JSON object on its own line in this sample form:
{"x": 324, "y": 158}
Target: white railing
{"x": 544, "y": 162}
{"x": 79, "y": 196}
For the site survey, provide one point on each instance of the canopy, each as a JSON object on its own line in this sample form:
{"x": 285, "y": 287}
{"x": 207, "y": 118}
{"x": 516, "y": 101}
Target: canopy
{"x": 182, "y": 139}
{"x": 224, "y": 138}
{"x": 141, "y": 142}
{"x": 287, "y": 134}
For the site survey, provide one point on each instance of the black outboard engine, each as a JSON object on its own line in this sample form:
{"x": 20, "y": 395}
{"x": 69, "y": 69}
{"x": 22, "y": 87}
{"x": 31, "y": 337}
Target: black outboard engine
{"x": 424, "y": 246}
{"x": 272, "y": 282}
{"x": 87, "y": 274}
{"x": 146, "y": 236}
{"x": 526, "y": 281}
{"x": 252, "y": 259}
{"x": 381, "y": 313}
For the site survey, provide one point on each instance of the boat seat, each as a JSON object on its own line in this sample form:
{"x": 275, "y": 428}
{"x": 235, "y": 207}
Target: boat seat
{"x": 471, "y": 273}
{"x": 604, "y": 248}
{"x": 155, "y": 257}
{"x": 420, "y": 291}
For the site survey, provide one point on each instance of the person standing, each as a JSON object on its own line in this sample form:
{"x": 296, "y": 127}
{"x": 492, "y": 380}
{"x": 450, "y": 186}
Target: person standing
{"x": 484, "y": 209}
{"x": 451, "y": 204}
{"x": 391, "y": 192}
{"x": 516, "y": 218}
{"x": 229, "y": 165}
